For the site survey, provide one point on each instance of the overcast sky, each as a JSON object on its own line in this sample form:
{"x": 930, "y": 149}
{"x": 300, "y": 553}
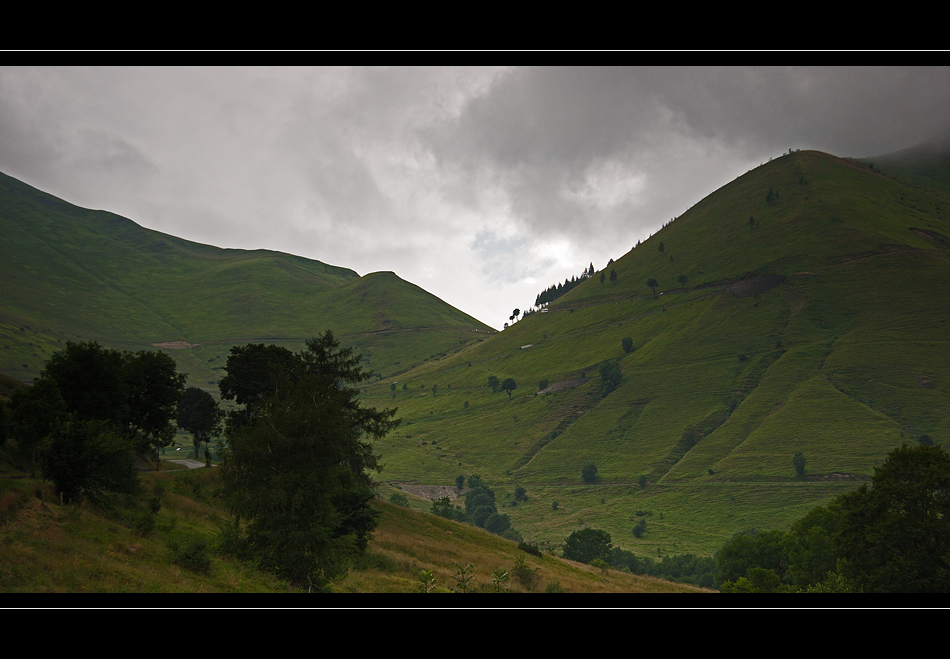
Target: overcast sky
{"x": 483, "y": 186}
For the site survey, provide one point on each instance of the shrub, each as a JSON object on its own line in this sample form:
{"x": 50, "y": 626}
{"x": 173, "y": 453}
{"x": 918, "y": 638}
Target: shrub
{"x": 798, "y": 461}
{"x": 191, "y": 553}
{"x": 399, "y": 499}
{"x": 610, "y": 377}
{"x": 640, "y": 527}
{"x": 143, "y": 524}
{"x": 526, "y": 575}
{"x": 500, "y": 580}
{"x": 511, "y": 534}
{"x": 554, "y": 587}
{"x": 426, "y": 581}
{"x": 529, "y": 548}
{"x": 589, "y": 472}
{"x": 497, "y": 523}
{"x": 464, "y": 579}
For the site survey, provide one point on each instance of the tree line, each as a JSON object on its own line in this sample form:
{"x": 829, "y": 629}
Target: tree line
{"x": 91, "y": 412}
{"x": 554, "y": 292}
{"x": 892, "y": 537}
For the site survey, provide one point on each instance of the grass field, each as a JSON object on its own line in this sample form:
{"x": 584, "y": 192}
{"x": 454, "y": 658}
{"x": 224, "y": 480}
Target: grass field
{"x": 48, "y": 548}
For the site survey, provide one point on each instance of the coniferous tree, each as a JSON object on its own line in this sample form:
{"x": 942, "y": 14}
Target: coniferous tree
{"x": 296, "y": 475}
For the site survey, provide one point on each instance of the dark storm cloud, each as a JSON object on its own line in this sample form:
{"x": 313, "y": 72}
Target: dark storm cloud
{"x": 561, "y": 142}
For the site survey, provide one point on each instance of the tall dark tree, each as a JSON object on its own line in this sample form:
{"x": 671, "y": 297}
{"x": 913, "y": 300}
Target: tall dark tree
{"x": 296, "y": 475}
{"x": 895, "y": 536}
{"x": 34, "y": 412}
{"x": 652, "y": 283}
{"x": 443, "y": 508}
{"x": 198, "y": 414}
{"x": 509, "y": 385}
{"x": 86, "y": 458}
{"x": 136, "y": 392}
{"x": 154, "y": 388}
{"x": 493, "y": 383}
{"x": 91, "y": 381}
{"x": 754, "y": 550}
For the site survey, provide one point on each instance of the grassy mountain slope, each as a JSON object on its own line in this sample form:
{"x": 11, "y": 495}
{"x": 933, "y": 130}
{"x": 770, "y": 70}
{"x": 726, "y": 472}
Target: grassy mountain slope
{"x": 76, "y": 274}
{"x": 813, "y": 319}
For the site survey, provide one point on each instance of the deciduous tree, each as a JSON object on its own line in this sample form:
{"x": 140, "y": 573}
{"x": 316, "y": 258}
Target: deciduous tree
{"x": 198, "y": 414}
{"x": 588, "y": 544}
{"x": 895, "y": 536}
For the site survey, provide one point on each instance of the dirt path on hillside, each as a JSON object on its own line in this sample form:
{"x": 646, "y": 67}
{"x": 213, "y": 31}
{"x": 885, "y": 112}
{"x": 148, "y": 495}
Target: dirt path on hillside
{"x": 190, "y": 463}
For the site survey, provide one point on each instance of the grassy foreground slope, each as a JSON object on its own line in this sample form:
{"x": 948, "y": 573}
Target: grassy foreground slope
{"x": 813, "y": 318}
{"x": 75, "y": 274}
{"x": 48, "y": 548}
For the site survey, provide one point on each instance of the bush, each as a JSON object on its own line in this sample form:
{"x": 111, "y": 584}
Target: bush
{"x": 554, "y": 587}
{"x": 627, "y": 344}
{"x": 143, "y": 524}
{"x": 88, "y": 458}
{"x": 191, "y": 553}
{"x": 399, "y": 499}
{"x": 610, "y": 377}
{"x": 589, "y": 472}
{"x": 511, "y": 534}
{"x": 531, "y": 549}
{"x": 799, "y": 463}
{"x": 497, "y": 523}
{"x": 526, "y": 575}
{"x": 640, "y": 527}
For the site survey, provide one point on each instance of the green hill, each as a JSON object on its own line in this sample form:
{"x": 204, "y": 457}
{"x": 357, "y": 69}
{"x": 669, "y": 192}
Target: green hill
{"x": 813, "y": 318}
{"x": 76, "y": 274}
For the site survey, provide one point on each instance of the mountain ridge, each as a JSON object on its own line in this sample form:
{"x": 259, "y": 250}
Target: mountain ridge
{"x": 79, "y": 274}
